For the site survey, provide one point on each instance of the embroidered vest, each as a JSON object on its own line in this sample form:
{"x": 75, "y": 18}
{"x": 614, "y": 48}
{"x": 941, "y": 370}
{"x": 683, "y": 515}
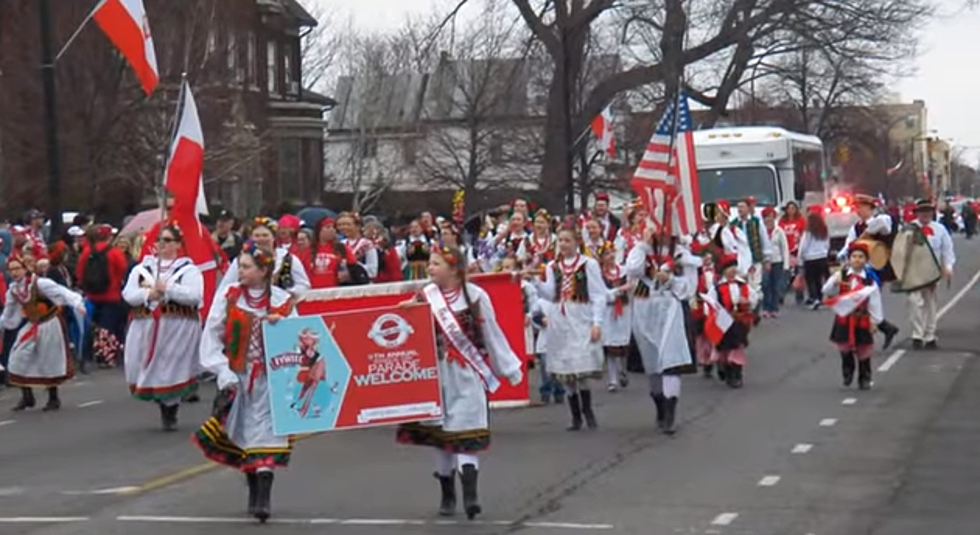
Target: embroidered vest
{"x": 753, "y": 231}
{"x": 725, "y": 297}
{"x": 283, "y": 278}
{"x": 580, "y": 283}
{"x": 38, "y": 308}
{"x": 238, "y": 328}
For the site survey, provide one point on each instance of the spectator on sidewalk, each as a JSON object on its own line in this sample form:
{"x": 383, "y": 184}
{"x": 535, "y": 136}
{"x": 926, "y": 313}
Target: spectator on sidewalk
{"x": 101, "y": 272}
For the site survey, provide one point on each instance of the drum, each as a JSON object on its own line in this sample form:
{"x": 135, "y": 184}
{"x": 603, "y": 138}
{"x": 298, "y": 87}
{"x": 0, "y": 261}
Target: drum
{"x": 878, "y": 253}
{"x": 914, "y": 261}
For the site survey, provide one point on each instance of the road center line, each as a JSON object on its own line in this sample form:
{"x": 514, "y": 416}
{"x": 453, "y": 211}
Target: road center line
{"x": 359, "y": 522}
{"x": 7, "y": 422}
{"x": 849, "y": 401}
{"x": 42, "y": 519}
{"x": 802, "y": 448}
{"x": 899, "y": 353}
{"x": 769, "y": 481}
{"x": 724, "y": 519}
{"x": 828, "y": 422}
{"x": 90, "y": 404}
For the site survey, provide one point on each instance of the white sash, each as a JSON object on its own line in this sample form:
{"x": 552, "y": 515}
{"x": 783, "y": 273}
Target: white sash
{"x": 455, "y": 335}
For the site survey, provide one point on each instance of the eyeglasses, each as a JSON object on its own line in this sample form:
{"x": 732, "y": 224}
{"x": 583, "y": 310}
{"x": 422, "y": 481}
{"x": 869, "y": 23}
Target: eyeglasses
{"x": 167, "y": 240}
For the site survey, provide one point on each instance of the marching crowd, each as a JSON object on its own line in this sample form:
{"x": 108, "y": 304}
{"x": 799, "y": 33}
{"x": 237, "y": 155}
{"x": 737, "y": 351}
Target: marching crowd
{"x": 603, "y": 294}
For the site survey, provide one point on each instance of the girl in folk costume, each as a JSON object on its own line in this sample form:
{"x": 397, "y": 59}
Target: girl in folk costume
{"x": 389, "y": 264}
{"x": 509, "y": 243}
{"x": 856, "y": 298}
{"x": 349, "y": 224}
{"x": 414, "y": 252}
{"x": 239, "y": 434}
{"x": 39, "y": 356}
{"x": 451, "y": 238}
{"x": 330, "y": 257}
{"x": 616, "y": 323}
{"x": 473, "y": 353}
{"x": 165, "y": 293}
{"x": 541, "y": 244}
{"x": 739, "y": 299}
{"x": 592, "y": 239}
{"x": 289, "y": 272}
{"x": 658, "y": 323}
{"x": 632, "y": 231}
{"x": 573, "y": 284}
{"x": 707, "y": 278}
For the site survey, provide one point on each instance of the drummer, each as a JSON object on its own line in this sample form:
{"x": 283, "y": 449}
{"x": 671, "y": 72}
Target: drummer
{"x": 922, "y": 303}
{"x": 879, "y": 227}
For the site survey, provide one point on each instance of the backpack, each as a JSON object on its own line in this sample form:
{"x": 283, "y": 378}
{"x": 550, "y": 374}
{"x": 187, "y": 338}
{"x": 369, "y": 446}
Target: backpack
{"x": 95, "y": 273}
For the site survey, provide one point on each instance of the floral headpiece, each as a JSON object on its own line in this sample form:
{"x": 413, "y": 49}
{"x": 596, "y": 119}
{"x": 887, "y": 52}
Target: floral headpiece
{"x": 266, "y": 222}
{"x": 263, "y": 257}
{"x": 449, "y": 255}
{"x": 607, "y": 247}
{"x": 541, "y": 212}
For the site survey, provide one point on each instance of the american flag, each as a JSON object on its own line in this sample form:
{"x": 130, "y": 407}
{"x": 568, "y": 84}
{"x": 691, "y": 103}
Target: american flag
{"x": 668, "y": 172}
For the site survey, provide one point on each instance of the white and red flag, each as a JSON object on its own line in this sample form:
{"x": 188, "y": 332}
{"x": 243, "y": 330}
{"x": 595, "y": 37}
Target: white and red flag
{"x": 846, "y": 303}
{"x": 603, "y": 128}
{"x": 126, "y": 25}
{"x": 717, "y": 320}
{"x": 666, "y": 178}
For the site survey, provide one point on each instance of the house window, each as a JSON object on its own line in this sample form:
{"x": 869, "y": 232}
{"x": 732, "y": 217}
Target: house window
{"x": 290, "y": 169}
{"x": 410, "y": 149}
{"x": 369, "y": 147}
{"x": 292, "y": 86}
{"x": 272, "y": 66}
{"x": 250, "y": 75}
{"x": 234, "y": 68}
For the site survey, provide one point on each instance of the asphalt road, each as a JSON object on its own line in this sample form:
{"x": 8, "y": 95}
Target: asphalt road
{"x": 791, "y": 453}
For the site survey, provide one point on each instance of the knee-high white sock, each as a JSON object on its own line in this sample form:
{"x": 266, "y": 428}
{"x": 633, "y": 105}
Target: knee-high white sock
{"x": 612, "y": 370}
{"x": 445, "y": 463}
{"x": 672, "y": 386}
{"x": 463, "y": 459}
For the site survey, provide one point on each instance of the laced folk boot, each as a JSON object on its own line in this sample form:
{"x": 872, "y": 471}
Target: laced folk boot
{"x": 864, "y": 374}
{"x": 586, "y": 397}
{"x": 251, "y": 478}
{"x": 670, "y": 416}
{"x": 263, "y": 502}
{"x": 847, "y": 366}
{"x": 447, "y": 486}
{"x": 575, "y": 406}
{"x": 890, "y": 331}
{"x": 469, "y": 477}
{"x": 54, "y": 402}
{"x": 27, "y": 400}
{"x": 661, "y": 403}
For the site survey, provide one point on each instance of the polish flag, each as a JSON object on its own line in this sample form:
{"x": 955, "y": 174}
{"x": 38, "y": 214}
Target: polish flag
{"x": 126, "y": 25}
{"x": 717, "y": 321}
{"x": 846, "y": 303}
{"x": 602, "y": 127}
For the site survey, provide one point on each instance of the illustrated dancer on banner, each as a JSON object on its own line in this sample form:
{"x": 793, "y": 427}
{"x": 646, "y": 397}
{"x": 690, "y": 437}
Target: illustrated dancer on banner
{"x": 165, "y": 292}
{"x": 239, "y": 434}
{"x": 577, "y": 294}
{"x": 39, "y": 356}
{"x": 473, "y": 353}
{"x": 312, "y": 372}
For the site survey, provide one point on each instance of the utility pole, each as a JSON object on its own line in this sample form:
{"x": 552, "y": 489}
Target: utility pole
{"x": 566, "y": 92}
{"x": 50, "y": 120}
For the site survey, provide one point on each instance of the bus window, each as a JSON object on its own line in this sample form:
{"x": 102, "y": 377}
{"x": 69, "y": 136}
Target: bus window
{"x": 736, "y": 183}
{"x": 807, "y": 168}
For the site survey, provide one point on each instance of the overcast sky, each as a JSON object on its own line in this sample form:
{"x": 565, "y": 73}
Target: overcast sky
{"x": 946, "y": 80}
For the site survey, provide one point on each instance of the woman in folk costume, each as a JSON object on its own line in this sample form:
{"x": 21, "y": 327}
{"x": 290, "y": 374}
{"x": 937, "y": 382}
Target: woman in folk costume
{"x": 39, "y": 356}
{"x": 389, "y": 264}
{"x": 414, "y": 252}
{"x": 729, "y": 237}
{"x": 165, "y": 292}
{"x": 239, "y": 434}
{"x": 856, "y": 297}
{"x": 707, "y": 278}
{"x": 473, "y": 353}
{"x": 739, "y": 299}
{"x": 632, "y": 232}
{"x": 508, "y": 243}
{"x": 593, "y": 240}
{"x": 367, "y": 255}
{"x": 658, "y": 322}
{"x": 541, "y": 244}
{"x": 573, "y": 284}
{"x": 616, "y": 324}
{"x": 289, "y": 273}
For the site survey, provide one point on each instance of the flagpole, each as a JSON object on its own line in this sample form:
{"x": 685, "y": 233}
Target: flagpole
{"x": 668, "y": 227}
{"x": 78, "y": 31}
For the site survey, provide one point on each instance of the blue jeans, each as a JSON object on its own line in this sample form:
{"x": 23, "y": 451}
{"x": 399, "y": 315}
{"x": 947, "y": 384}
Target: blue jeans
{"x": 772, "y": 287}
{"x": 549, "y": 386}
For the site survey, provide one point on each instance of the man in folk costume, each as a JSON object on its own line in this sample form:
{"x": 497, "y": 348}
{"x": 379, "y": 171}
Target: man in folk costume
{"x": 600, "y": 212}
{"x": 856, "y": 297}
{"x": 759, "y": 245}
{"x": 730, "y": 238}
{"x": 878, "y": 227}
{"x": 739, "y": 299}
{"x": 922, "y": 303}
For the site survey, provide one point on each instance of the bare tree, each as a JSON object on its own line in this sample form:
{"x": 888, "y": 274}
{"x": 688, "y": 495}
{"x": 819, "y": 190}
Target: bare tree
{"x": 320, "y": 47}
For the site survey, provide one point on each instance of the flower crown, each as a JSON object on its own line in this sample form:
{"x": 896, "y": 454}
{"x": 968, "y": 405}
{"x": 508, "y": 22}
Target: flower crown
{"x": 263, "y": 257}
{"x": 449, "y": 255}
{"x": 266, "y": 222}
{"x": 607, "y": 247}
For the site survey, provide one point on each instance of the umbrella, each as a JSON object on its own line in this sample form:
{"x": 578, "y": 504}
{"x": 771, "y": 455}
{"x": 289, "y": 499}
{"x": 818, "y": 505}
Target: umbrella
{"x": 312, "y": 215}
{"x": 141, "y": 222}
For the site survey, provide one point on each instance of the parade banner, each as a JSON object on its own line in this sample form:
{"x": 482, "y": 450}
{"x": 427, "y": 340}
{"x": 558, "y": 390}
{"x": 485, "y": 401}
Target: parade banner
{"x": 354, "y": 369}
{"x": 505, "y": 295}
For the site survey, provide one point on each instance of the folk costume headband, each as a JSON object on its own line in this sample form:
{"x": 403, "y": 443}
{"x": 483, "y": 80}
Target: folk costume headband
{"x": 264, "y": 258}
{"x": 266, "y": 222}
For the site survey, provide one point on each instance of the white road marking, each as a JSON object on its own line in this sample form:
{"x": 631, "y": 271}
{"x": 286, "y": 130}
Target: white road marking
{"x": 849, "y": 401}
{"x": 899, "y": 353}
{"x": 11, "y": 491}
{"x": 7, "y": 422}
{"x": 802, "y": 448}
{"x": 90, "y": 403}
{"x": 724, "y": 519}
{"x": 828, "y": 422}
{"x": 42, "y": 519}
{"x": 769, "y": 481}
{"x": 101, "y": 492}
{"x": 358, "y": 522}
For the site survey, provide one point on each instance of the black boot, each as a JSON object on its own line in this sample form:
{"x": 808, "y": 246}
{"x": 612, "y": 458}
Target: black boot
{"x": 847, "y": 363}
{"x": 707, "y": 369}
{"x": 575, "y": 406}
{"x": 733, "y": 373}
{"x": 660, "y": 402}
{"x": 253, "y": 491}
{"x": 864, "y": 374}
{"x": 263, "y": 499}
{"x": 27, "y": 400}
{"x": 723, "y": 371}
{"x": 54, "y": 402}
{"x": 670, "y": 416}
{"x": 586, "y": 397}
{"x": 447, "y": 504}
{"x": 890, "y": 331}
{"x": 170, "y": 417}
{"x": 470, "y": 501}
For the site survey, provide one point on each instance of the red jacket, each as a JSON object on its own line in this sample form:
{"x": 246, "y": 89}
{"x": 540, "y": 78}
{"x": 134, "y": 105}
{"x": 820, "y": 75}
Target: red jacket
{"x": 118, "y": 267}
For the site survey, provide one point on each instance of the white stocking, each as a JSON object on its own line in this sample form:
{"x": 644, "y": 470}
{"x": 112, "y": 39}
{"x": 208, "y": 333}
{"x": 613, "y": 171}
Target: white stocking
{"x": 444, "y": 463}
{"x": 463, "y": 459}
{"x": 672, "y": 386}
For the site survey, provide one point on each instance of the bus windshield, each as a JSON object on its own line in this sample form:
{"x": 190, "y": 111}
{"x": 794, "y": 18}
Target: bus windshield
{"x": 736, "y": 183}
